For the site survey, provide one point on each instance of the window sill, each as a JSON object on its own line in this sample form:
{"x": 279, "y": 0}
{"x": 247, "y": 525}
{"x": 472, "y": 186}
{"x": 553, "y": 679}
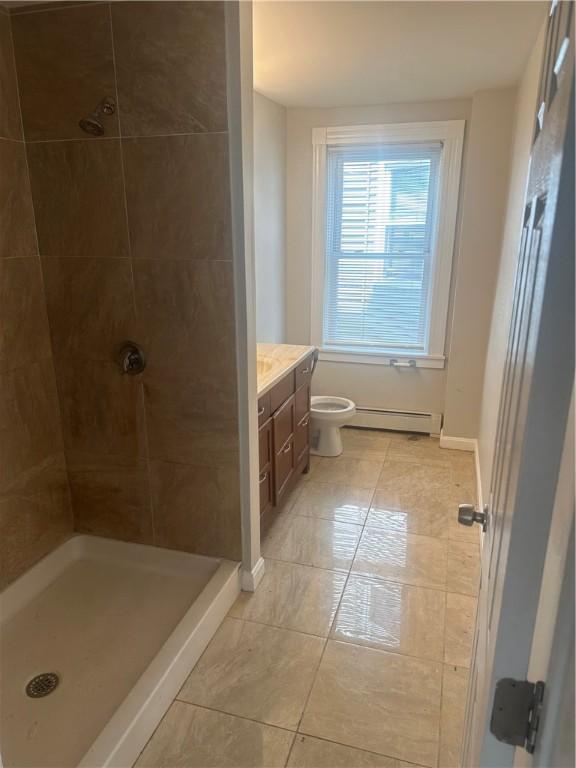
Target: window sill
{"x": 401, "y": 361}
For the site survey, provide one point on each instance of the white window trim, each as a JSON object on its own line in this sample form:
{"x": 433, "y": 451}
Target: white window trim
{"x": 451, "y": 134}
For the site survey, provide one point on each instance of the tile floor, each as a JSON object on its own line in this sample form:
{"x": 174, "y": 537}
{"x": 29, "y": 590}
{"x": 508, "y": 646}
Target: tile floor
{"x": 355, "y": 649}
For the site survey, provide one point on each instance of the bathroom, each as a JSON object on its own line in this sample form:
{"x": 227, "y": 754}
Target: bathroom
{"x": 254, "y": 310}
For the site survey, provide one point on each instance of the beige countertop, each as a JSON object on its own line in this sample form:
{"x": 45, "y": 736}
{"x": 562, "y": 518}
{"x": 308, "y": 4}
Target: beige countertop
{"x": 276, "y": 360}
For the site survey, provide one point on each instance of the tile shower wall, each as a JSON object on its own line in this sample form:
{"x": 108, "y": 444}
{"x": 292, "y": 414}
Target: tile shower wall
{"x": 35, "y": 512}
{"x": 134, "y": 233}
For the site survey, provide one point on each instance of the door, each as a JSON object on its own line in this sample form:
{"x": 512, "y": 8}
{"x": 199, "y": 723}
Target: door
{"x": 552, "y": 654}
{"x": 534, "y": 404}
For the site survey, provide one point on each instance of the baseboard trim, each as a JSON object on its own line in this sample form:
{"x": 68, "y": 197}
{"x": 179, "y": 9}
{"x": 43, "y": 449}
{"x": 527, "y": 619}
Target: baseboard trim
{"x": 479, "y": 492}
{"x": 403, "y": 421}
{"x": 457, "y": 443}
{"x": 251, "y": 579}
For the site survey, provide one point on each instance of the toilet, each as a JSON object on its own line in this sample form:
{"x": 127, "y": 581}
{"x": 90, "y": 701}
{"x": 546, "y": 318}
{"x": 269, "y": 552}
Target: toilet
{"x": 328, "y": 414}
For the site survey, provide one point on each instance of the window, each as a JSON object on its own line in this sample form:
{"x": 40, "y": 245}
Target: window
{"x": 385, "y": 209}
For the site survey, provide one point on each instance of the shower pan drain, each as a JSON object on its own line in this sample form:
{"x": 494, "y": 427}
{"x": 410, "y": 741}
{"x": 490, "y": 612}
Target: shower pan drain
{"x": 42, "y": 685}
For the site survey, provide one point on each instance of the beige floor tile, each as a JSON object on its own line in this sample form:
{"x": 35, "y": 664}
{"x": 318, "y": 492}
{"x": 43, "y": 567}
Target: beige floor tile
{"x": 310, "y": 541}
{"x": 419, "y": 448}
{"x": 309, "y": 752}
{"x": 377, "y": 701}
{"x": 295, "y": 492}
{"x": 315, "y": 463}
{"x": 415, "y": 497}
{"x": 294, "y": 597}
{"x": 365, "y": 443}
{"x": 463, "y": 570}
{"x": 402, "y": 557}
{"x": 255, "y": 671}
{"x": 426, "y": 520}
{"x": 343, "y": 503}
{"x": 361, "y": 473}
{"x": 460, "y": 623}
{"x": 192, "y": 737}
{"x": 458, "y": 532}
{"x": 454, "y": 691}
{"x": 464, "y": 467}
{"x": 399, "y": 479}
{"x": 392, "y": 617}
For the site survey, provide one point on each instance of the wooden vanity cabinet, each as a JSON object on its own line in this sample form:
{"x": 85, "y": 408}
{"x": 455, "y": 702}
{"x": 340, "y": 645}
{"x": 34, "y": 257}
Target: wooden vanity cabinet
{"x": 266, "y": 456}
{"x": 284, "y": 432}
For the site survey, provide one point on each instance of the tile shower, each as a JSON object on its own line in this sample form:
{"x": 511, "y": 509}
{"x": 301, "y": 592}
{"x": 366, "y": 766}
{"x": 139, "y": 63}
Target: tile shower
{"x": 133, "y": 242}
{"x": 103, "y": 239}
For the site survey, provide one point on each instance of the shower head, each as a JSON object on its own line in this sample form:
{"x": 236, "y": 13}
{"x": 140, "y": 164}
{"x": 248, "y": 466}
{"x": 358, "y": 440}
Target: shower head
{"x": 92, "y": 124}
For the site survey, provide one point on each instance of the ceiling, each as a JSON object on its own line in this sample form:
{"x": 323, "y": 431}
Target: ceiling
{"x": 327, "y": 54}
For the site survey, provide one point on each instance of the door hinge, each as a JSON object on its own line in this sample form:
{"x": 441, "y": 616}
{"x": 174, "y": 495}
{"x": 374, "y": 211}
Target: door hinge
{"x": 516, "y": 712}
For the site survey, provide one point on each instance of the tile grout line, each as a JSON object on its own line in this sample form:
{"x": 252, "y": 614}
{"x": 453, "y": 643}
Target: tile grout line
{"x": 229, "y": 714}
{"x": 360, "y": 749}
{"x": 442, "y": 679}
{"x": 276, "y": 626}
{"x": 284, "y": 628}
{"x": 295, "y": 734}
{"x": 23, "y": 11}
{"x": 161, "y": 259}
{"x": 334, "y": 618}
{"x": 126, "y": 138}
{"x": 150, "y": 505}
{"x": 374, "y": 577}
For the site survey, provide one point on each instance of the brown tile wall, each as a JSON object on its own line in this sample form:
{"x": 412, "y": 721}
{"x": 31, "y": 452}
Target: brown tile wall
{"x": 35, "y": 511}
{"x": 134, "y": 235}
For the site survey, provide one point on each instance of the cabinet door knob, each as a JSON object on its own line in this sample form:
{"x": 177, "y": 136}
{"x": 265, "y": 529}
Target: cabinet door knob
{"x": 261, "y": 411}
{"x": 288, "y": 448}
{"x": 263, "y": 477}
{"x": 305, "y": 370}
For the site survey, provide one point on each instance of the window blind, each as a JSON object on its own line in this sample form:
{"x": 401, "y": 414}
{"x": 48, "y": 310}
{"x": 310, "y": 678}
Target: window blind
{"x": 381, "y": 212}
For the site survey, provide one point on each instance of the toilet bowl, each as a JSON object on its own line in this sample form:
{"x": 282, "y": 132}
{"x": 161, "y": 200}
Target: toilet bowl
{"x": 328, "y": 414}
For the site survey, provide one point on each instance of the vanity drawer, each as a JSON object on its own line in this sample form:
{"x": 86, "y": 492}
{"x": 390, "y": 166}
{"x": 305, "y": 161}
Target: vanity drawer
{"x": 284, "y": 463}
{"x": 281, "y": 391}
{"x": 302, "y": 400}
{"x": 302, "y": 437}
{"x": 284, "y": 423}
{"x": 304, "y": 371}
{"x": 263, "y": 408}
{"x": 265, "y": 449}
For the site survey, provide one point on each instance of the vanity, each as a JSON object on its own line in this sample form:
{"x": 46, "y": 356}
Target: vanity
{"x": 284, "y": 380}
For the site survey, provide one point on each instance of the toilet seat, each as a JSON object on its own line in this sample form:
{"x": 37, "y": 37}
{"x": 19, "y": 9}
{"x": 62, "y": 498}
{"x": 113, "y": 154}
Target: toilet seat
{"x": 331, "y": 407}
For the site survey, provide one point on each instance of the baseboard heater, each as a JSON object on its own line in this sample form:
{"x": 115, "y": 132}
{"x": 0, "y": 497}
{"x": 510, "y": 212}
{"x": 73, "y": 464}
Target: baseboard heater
{"x": 403, "y": 421}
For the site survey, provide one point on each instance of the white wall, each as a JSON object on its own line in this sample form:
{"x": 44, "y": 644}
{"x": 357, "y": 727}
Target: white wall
{"x": 481, "y": 227}
{"x": 380, "y": 386}
{"x": 502, "y": 307}
{"x": 270, "y": 218}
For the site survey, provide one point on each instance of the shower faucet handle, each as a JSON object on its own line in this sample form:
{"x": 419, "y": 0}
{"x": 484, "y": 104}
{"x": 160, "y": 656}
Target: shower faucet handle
{"x": 108, "y": 106}
{"x": 131, "y": 358}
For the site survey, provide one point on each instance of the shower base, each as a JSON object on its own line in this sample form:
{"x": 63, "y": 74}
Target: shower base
{"x": 121, "y": 626}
